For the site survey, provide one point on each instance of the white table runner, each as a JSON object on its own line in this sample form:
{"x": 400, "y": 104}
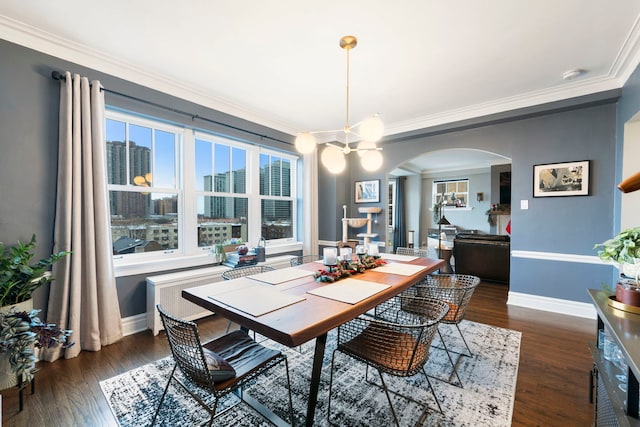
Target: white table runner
{"x": 256, "y": 300}
{"x": 349, "y": 290}
{"x": 281, "y": 275}
{"x": 399, "y": 268}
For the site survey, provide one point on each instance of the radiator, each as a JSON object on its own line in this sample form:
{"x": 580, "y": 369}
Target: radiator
{"x": 166, "y": 290}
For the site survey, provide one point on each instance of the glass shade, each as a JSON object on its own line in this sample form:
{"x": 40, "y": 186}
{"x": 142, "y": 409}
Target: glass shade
{"x": 364, "y": 146}
{"x": 305, "y": 143}
{"x": 372, "y": 160}
{"x": 371, "y": 129}
{"x": 333, "y": 159}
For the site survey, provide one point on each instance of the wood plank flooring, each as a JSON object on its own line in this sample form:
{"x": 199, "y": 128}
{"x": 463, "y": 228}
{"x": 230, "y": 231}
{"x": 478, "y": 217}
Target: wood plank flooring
{"x": 552, "y": 387}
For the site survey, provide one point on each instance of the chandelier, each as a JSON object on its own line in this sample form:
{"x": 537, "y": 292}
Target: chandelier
{"x": 368, "y": 131}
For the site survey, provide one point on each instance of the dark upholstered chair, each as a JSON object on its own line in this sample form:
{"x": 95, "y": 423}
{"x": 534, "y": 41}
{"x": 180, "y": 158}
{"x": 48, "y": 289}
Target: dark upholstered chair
{"x": 395, "y": 341}
{"x": 220, "y": 366}
{"x": 303, "y": 259}
{"x": 420, "y": 252}
{"x": 456, "y": 290}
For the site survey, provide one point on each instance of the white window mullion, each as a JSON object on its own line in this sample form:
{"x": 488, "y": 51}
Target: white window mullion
{"x": 254, "y": 222}
{"x": 189, "y": 203}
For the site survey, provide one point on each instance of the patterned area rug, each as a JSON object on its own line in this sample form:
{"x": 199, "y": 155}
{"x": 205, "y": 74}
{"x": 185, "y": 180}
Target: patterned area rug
{"x": 486, "y": 398}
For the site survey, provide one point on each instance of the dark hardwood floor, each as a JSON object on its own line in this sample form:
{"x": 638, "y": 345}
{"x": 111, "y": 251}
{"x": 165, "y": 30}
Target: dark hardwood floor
{"x": 552, "y": 387}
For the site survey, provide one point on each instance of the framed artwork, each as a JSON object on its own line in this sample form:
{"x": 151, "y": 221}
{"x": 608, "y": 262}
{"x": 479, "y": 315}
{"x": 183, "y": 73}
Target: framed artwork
{"x": 368, "y": 191}
{"x": 561, "y": 179}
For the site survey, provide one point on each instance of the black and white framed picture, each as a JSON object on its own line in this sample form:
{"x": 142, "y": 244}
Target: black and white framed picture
{"x": 368, "y": 191}
{"x": 561, "y": 179}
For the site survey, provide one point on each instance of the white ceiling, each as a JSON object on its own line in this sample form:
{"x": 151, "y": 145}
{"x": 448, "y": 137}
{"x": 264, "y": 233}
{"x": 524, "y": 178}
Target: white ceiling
{"x": 418, "y": 63}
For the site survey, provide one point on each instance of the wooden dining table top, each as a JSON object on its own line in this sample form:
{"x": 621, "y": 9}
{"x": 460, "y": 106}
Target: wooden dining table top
{"x": 314, "y": 316}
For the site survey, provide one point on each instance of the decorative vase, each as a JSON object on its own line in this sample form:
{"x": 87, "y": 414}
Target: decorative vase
{"x": 8, "y": 377}
{"x": 628, "y": 292}
{"x": 631, "y": 269}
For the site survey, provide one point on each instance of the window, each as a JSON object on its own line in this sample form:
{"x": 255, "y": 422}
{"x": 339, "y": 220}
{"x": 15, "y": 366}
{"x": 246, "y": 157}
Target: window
{"x": 175, "y": 191}
{"x": 143, "y": 186}
{"x": 221, "y": 191}
{"x": 276, "y": 201}
{"x": 452, "y": 193}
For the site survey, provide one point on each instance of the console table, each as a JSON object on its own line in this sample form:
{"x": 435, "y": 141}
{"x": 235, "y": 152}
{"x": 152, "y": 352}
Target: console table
{"x": 614, "y": 406}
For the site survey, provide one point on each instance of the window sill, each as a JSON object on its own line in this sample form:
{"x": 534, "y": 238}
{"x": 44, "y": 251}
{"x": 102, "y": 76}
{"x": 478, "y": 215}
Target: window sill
{"x": 453, "y": 209}
{"x": 123, "y": 268}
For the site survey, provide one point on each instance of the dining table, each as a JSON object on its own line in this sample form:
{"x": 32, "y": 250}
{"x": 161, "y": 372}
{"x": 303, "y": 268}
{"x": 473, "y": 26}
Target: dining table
{"x": 291, "y": 307}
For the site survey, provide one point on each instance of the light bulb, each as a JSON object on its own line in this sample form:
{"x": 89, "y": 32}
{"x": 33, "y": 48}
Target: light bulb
{"x": 333, "y": 159}
{"x": 371, "y": 129}
{"x": 364, "y": 147}
{"x": 372, "y": 160}
{"x": 305, "y": 143}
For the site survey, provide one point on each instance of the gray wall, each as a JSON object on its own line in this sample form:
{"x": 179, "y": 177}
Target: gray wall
{"x": 564, "y": 225}
{"x": 29, "y": 141}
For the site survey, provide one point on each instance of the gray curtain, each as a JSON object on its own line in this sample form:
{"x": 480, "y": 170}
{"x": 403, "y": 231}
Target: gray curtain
{"x": 83, "y": 295}
{"x": 400, "y": 233}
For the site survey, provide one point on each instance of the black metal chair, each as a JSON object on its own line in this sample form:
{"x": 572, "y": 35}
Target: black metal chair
{"x": 456, "y": 290}
{"x": 235, "y": 273}
{"x": 421, "y": 252}
{"x": 203, "y": 364}
{"x": 395, "y": 341}
{"x": 303, "y": 259}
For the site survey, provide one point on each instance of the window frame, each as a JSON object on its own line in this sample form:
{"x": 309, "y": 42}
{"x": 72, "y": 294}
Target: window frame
{"x": 188, "y": 253}
{"x": 435, "y": 194}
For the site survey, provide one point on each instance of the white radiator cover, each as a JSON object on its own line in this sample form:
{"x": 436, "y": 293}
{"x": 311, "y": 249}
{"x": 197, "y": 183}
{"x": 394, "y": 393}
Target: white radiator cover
{"x": 166, "y": 290}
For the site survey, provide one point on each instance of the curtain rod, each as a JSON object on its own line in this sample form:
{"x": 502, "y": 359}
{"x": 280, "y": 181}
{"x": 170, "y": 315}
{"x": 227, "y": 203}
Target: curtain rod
{"x": 56, "y": 75}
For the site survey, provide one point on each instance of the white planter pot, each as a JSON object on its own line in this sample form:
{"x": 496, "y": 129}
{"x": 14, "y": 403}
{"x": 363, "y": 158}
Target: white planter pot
{"x": 8, "y": 378}
{"x": 631, "y": 270}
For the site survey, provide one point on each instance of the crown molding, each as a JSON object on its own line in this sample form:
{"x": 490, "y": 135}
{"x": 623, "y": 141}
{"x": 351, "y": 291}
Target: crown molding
{"x": 51, "y": 44}
{"x": 34, "y": 38}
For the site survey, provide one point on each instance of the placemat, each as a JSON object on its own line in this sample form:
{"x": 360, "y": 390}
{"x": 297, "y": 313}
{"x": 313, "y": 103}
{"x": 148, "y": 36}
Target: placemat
{"x": 397, "y": 257}
{"x": 281, "y": 275}
{"x": 399, "y": 268}
{"x": 349, "y": 290}
{"x": 256, "y": 300}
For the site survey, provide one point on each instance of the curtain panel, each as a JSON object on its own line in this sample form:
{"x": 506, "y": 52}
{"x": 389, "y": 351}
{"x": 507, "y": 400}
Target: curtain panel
{"x": 83, "y": 296}
{"x": 400, "y": 233}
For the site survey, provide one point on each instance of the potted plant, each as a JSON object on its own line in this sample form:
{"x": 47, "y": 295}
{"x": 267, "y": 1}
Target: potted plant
{"x": 20, "y": 333}
{"x": 18, "y": 277}
{"x": 20, "y": 328}
{"x": 624, "y": 249}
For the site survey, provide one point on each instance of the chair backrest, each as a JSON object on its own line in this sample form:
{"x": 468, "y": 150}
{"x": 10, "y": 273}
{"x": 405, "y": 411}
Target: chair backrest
{"x": 396, "y": 340}
{"x": 234, "y": 273}
{"x": 186, "y": 348}
{"x": 421, "y": 252}
{"x": 455, "y": 289}
{"x": 303, "y": 259}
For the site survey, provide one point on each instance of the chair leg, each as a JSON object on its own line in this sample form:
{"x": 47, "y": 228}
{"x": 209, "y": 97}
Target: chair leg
{"x": 333, "y": 356}
{"x": 465, "y": 343}
{"x": 153, "y": 422}
{"x": 286, "y": 366}
{"x": 433, "y": 391}
{"x": 453, "y": 365}
{"x": 386, "y": 392}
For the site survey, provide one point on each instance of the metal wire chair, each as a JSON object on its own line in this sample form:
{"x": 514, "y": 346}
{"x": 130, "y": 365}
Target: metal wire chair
{"x": 247, "y": 358}
{"x": 303, "y": 259}
{"x": 421, "y": 252}
{"x": 235, "y": 273}
{"x": 456, "y": 290}
{"x": 395, "y": 342}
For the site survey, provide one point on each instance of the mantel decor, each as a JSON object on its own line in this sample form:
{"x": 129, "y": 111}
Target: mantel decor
{"x": 561, "y": 179}
{"x": 367, "y": 191}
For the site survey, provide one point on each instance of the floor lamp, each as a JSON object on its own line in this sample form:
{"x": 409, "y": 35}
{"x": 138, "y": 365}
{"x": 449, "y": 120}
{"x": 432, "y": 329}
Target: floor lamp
{"x": 442, "y": 221}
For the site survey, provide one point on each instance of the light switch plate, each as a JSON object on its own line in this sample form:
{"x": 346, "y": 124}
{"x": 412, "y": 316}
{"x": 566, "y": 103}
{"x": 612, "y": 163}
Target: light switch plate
{"x": 524, "y": 204}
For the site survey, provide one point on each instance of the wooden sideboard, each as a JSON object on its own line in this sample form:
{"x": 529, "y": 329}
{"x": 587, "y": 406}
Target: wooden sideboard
{"x": 613, "y": 405}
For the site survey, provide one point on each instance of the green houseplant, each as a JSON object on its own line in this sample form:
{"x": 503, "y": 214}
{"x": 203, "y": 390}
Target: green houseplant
{"x": 624, "y": 249}
{"x": 19, "y": 278}
{"x": 20, "y": 329}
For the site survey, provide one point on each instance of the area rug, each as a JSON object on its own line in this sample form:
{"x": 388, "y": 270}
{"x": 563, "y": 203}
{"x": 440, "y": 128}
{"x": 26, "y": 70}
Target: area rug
{"x": 485, "y": 398}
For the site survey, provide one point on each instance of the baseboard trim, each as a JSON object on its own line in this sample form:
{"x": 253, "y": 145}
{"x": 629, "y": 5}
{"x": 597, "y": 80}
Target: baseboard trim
{"x": 134, "y": 324}
{"x": 554, "y": 305}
